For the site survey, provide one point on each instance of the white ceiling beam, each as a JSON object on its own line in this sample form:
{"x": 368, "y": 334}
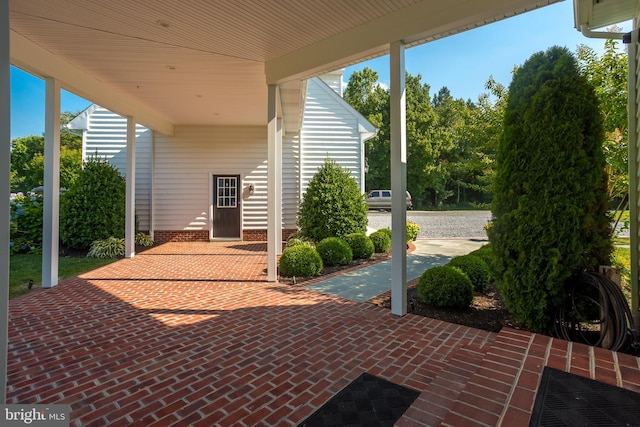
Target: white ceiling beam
{"x": 42, "y": 63}
{"x": 411, "y": 25}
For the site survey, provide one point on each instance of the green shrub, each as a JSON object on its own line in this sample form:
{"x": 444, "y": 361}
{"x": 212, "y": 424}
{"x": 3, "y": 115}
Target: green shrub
{"x": 334, "y": 251}
{"x": 486, "y": 254}
{"x": 143, "y": 239}
{"x": 550, "y": 197}
{"x": 412, "y": 231}
{"x": 111, "y": 247}
{"x": 386, "y": 231}
{"x": 475, "y": 268}
{"x": 300, "y": 261}
{"x": 361, "y": 245}
{"x": 381, "y": 241}
{"x": 297, "y": 241}
{"x": 94, "y": 207}
{"x": 332, "y": 205}
{"x": 26, "y": 224}
{"x": 445, "y": 286}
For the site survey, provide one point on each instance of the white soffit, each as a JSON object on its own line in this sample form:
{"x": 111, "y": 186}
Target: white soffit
{"x": 597, "y": 14}
{"x": 169, "y": 62}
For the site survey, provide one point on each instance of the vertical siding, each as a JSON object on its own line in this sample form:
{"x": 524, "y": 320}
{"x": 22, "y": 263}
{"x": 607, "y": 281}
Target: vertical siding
{"x": 329, "y": 130}
{"x": 106, "y": 137}
{"x": 185, "y": 162}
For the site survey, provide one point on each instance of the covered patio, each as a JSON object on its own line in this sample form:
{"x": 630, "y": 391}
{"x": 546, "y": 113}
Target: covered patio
{"x": 194, "y": 334}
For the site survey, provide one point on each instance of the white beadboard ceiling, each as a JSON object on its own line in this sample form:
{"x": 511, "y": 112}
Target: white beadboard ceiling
{"x": 170, "y": 62}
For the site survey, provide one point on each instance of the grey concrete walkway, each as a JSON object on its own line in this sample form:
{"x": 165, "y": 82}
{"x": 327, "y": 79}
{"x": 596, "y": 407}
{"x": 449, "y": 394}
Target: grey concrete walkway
{"x": 365, "y": 283}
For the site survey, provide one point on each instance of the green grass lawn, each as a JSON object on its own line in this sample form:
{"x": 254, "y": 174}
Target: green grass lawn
{"x": 29, "y": 267}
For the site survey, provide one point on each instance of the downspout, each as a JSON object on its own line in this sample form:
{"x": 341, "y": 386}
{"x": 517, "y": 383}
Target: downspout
{"x": 631, "y": 40}
{"x": 632, "y": 43}
{"x": 584, "y": 29}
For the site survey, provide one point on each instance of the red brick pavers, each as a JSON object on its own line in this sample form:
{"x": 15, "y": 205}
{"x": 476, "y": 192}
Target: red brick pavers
{"x": 192, "y": 334}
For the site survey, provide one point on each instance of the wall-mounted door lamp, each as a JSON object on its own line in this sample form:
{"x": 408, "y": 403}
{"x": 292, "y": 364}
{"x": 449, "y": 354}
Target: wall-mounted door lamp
{"x": 251, "y": 189}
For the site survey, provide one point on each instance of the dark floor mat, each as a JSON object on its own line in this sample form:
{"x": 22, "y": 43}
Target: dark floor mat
{"x": 565, "y": 399}
{"x": 368, "y": 401}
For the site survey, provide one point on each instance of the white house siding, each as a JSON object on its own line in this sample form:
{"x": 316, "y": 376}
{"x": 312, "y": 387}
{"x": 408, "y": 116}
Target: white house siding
{"x": 290, "y": 180}
{"x": 105, "y": 135}
{"x": 185, "y": 163}
{"x": 330, "y": 129}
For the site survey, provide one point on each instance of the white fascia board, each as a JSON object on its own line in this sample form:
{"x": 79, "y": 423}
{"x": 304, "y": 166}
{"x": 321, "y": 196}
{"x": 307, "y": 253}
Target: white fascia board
{"x": 35, "y": 60}
{"x": 81, "y": 121}
{"x": 412, "y": 25}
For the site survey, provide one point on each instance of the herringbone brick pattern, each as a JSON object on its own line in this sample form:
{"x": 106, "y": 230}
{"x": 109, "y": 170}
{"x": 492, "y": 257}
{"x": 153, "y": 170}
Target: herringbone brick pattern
{"x": 192, "y": 334}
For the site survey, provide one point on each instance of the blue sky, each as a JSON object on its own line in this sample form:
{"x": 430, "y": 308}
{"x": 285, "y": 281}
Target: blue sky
{"x": 462, "y": 62}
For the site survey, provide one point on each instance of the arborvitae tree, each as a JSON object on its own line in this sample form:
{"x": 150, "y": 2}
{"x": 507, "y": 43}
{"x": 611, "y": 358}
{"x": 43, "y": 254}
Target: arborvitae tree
{"x": 333, "y": 205}
{"x": 550, "y": 192}
{"x": 94, "y": 206}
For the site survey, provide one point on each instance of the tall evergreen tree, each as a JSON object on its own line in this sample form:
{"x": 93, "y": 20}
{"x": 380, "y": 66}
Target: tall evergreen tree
{"x": 550, "y": 199}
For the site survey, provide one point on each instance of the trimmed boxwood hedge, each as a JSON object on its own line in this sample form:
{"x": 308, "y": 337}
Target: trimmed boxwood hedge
{"x": 334, "y": 251}
{"x": 361, "y": 245}
{"x": 381, "y": 241}
{"x": 475, "y": 268}
{"x": 300, "y": 261}
{"x": 445, "y": 286}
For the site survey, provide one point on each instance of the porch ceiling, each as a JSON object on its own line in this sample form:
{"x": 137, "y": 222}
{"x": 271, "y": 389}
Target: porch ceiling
{"x": 171, "y": 62}
{"x": 602, "y": 13}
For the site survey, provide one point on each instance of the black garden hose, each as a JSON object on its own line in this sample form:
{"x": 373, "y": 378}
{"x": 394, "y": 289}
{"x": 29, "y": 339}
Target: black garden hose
{"x": 594, "y": 307}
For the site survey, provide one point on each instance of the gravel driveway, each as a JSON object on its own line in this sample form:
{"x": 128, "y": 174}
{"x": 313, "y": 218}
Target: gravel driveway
{"x": 439, "y": 224}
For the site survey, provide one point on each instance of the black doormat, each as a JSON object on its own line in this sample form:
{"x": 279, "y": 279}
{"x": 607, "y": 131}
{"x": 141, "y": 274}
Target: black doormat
{"x": 368, "y": 401}
{"x": 565, "y": 399}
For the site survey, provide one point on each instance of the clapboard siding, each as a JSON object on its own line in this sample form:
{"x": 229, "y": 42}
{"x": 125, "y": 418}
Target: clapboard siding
{"x": 329, "y": 130}
{"x": 174, "y": 173}
{"x": 290, "y": 180}
{"x": 185, "y": 163}
{"x": 105, "y": 135}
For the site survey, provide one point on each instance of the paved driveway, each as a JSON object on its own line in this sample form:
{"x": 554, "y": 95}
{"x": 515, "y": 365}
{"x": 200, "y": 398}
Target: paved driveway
{"x": 191, "y": 334}
{"x": 439, "y": 224}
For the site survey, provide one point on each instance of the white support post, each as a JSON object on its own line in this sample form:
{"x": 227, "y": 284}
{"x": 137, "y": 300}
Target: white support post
{"x": 273, "y": 148}
{"x": 51, "y": 206}
{"x": 5, "y": 168}
{"x": 279, "y": 186}
{"x": 633, "y": 172}
{"x": 130, "y": 200}
{"x": 398, "y": 181}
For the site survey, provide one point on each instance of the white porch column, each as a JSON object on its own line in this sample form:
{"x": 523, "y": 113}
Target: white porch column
{"x": 274, "y": 188}
{"x": 398, "y": 181}
{"x": 278, "y": 193}
{"x": 51, "y": 206}
{"x": 5, "y": 185}
{"x": 130, "y": 200}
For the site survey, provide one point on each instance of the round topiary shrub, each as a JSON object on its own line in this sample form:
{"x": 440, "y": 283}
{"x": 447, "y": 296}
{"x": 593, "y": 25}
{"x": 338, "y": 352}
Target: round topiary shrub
{"x": 361, "y": 245}
{"x": 333, "y": 205}
{"x": 475, "y": 268}
{"x": 386, "y": 231}
{"x": 486, "y": 254}
{"x": 300, "y": 261}
{"x": 381, "y": 241}
{"x": 334, "y": 251}
{"x": 445, "y": 286}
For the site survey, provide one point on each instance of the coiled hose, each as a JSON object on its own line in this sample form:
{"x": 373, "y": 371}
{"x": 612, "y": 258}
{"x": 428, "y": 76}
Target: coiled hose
{"x": 595, "y": 312}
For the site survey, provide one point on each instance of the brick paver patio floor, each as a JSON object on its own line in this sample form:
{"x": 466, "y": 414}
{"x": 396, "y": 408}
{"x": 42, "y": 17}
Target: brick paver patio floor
{"x": 192, "y": 334}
